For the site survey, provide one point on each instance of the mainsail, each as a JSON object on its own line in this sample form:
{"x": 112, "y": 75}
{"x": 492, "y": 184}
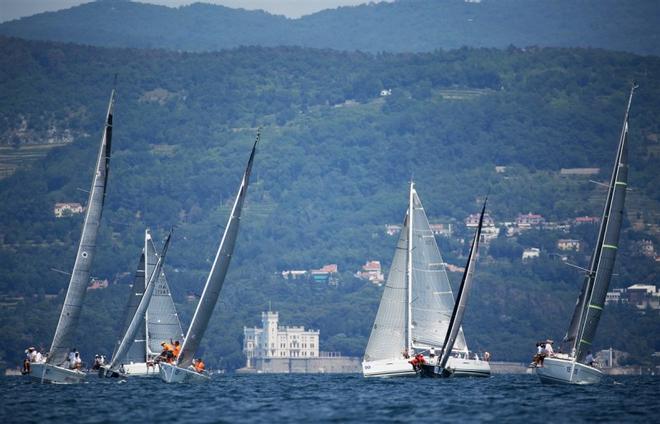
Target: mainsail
{"x": 462, "y": 295}
{"x": 137, "y": 321}
{"x": 162, "y": 320}
{"x": 66, "y": 326}
{"x": 591, "y": 301}
{"x": 388, "y": 335}
{"x": 136, "y": 352}
{"x": 432, "y": 300}
{"x": 218, "y": 272}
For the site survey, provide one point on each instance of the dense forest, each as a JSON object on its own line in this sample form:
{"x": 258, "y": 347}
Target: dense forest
{"x": 332, "y": 170}
{"x": 399, "y": 26}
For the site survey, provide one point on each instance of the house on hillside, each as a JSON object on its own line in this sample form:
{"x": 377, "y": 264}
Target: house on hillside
{"x": 325, "y": 274}
{"x": 61, "y": 210}
{"x": 472, "y": 221}
{"x": 294, "y": 274}
{"x": 568, "y": 244}
{"x": 586, "y": 220}
{"x": 98, "y": 284}
{"x": 372, "y": 272}
{"x": 529, "y": 220}
{"x": 579, "y": 171}
{"x": 441, "y": 229}
{"x": 530, "y": 253}
{"x": 642, "y": 296}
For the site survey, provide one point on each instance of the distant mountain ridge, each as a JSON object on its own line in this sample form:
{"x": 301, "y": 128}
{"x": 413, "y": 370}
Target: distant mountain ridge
{"x": 401, "y": 26}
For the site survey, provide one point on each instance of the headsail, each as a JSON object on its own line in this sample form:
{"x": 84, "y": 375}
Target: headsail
{"x": 388, "y": 335}
{"x": 136, "y": 353}
{"x": 162, "y": 320}
{"x": 218, "y": 272}
{"x": 432, "y": 300}
{"x": 592, "y": 298}
{"x": 462, "y": 295}
{"x": 137, "y": 321}
{"x": 68, "y": 322}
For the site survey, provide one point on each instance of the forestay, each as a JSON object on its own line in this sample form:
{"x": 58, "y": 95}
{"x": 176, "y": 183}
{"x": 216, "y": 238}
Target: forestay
{"x": 70, "y": 315}
{"x": 388, "y": 335}
{"x": 432, "y": 300}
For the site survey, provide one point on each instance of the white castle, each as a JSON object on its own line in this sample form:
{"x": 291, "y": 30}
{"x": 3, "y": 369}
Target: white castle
{"x": 274, "y": 341}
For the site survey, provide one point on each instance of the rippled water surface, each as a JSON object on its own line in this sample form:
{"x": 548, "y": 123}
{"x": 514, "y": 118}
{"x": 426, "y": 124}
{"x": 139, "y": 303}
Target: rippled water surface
{"x": 330, "y": 398}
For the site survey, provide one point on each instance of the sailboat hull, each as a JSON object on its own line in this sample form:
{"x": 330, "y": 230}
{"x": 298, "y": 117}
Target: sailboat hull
{"x": 172, "y": 374}
{"x": 565, "y": 371}
{"x": 402, "y": 368}
{"x": 388, "y": 368}
{"x": 48, "y": 373}
{"x": 141, "y": 369}
{"x": 457, "y": 367}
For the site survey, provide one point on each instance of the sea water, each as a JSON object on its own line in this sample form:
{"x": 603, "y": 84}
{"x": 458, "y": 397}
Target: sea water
{"x": 330, "y": 398}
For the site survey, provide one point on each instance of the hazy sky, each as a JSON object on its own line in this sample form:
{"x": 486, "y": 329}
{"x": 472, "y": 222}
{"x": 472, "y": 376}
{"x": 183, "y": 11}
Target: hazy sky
{"x": 13, "y": 9}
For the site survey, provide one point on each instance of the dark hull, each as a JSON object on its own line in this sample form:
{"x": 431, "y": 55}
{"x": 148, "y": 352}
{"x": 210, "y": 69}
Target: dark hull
{"x": 429, "y": 371}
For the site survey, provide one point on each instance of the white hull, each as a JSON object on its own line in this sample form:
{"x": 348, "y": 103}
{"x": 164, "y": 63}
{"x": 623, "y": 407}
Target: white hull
{"x": 140, "y": 369}
{"x": 388, "y": 368}
{"x": 468, "y": 367}
{"x": 173, "y": 374}
{"x": 48, "y": 373}
{"x": 558, "y": 370}
{"x": 402, "y": 368}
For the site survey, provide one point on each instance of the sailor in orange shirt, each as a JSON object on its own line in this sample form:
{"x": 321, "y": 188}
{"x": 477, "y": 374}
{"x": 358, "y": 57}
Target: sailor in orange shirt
{"x": 166, "y": 354}
{"x": 177, "y": 349}
{"x": 199, "y": 365}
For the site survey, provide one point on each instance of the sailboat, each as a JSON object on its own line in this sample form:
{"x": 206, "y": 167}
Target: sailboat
{"x": 137, "y": 322}
{"x": 55, "y": 369}
{"x": 416, "y": 306}
{"x": 179, "y": 371}
{"x": 570, "y": 368}
{"x": 161, "y": 321}
{"x": 439, "y": 367}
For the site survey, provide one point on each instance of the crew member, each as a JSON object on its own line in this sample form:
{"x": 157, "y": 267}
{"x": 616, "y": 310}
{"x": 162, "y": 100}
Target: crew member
{"x": 176, "y": 349}
{"x": 199, "y": 365}
{"x": 590, "y": 359}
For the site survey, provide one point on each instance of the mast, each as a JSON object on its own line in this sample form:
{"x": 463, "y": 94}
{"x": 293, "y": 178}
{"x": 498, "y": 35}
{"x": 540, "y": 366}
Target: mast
{"x": 462, "y": 295}
{"x": 147, "y": 261}
{"x": 602, "y": 263}
{"x": 409, "y": 268}
{"x": 218, "y": 272}
{"x": 70, "y": 315}
{"x": 136, "y": 322}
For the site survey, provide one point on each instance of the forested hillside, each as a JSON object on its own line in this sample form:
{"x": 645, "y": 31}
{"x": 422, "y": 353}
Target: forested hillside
{"x": 332, "y": 170}
{"x": 400, "y": 26}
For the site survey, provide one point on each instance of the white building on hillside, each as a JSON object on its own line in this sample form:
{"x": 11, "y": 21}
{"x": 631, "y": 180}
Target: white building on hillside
{"x": 275, "y": 341}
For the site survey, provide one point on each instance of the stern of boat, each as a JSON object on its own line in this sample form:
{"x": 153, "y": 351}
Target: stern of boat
{"x": 173, "y": 374}
{"x": 565, "y": 371}
{"x": 48, "y": 373}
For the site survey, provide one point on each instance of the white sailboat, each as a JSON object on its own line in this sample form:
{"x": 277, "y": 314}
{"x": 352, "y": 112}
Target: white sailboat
{"x": 56, "y": 368}
{"x": 571, "y": 368}
{"x": 161, "y": 321}
{"x": 180, "y": 371}
{"x": 136, "y": 325}
{"x": 416, "y": 306}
